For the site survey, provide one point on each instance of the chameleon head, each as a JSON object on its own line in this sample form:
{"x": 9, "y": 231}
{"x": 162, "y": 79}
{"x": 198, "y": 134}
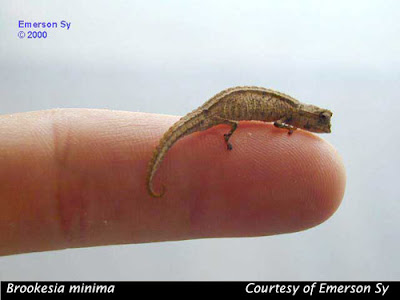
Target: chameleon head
{"x": 313, "y": 118}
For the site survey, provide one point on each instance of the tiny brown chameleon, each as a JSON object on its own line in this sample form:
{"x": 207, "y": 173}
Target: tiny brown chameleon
{"x": 238, "y": 104}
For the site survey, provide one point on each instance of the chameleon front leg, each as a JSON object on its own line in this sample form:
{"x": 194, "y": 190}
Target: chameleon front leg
{"x": 281, "y": 124}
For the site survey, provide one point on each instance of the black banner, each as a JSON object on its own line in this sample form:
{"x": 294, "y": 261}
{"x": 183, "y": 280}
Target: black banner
{"x": 120, "y": 289}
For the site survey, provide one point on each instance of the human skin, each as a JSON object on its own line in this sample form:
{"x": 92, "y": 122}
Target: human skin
{"x": 76, "y": 178}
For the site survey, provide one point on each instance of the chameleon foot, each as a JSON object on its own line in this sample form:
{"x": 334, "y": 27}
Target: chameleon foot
{"x": 226, "y": 137}
{"x": 280, "y": 124}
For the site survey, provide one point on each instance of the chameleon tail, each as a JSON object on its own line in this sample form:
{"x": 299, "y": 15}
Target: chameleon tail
{"x": 168, "y": 139}
{"x": 153, "y": 193}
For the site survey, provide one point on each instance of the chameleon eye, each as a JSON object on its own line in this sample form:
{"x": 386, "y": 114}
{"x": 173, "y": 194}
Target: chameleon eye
{"x": 324, "y": 116}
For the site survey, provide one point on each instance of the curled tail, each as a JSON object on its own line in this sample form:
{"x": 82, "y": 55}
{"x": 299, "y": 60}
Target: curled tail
{"x": 154, "y": 164}
{"x": 177, "y": 131}
{"x": 153, "y": 193}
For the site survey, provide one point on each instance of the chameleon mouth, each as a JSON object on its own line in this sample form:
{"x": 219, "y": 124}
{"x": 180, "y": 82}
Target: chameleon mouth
{"x": 323, "y": 129}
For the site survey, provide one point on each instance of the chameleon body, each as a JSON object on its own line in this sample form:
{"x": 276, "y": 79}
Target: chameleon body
{"x": 238, "y": 104}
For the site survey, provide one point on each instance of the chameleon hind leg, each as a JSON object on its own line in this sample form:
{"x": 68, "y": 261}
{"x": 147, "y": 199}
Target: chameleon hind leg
{"x": 227, "y": 136}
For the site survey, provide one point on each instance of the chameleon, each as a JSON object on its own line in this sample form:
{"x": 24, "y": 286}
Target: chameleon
{"x": 242, "y": 103}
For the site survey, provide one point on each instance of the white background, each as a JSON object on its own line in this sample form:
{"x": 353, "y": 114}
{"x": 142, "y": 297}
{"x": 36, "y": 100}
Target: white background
{"x": 171, "y": 56}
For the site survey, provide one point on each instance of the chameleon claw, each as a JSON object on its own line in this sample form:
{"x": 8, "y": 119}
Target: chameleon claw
{"x": 229, "y": 146}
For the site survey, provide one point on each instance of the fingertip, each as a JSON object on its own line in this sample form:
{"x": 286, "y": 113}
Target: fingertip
{"x": 322, "y": 175}
{"x": 332, "y": 178}
{"x": 270, "y": 183}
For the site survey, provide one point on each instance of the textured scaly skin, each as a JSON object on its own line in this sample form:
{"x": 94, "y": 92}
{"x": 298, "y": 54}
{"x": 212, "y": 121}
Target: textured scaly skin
{"x": 237, "y": 104}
